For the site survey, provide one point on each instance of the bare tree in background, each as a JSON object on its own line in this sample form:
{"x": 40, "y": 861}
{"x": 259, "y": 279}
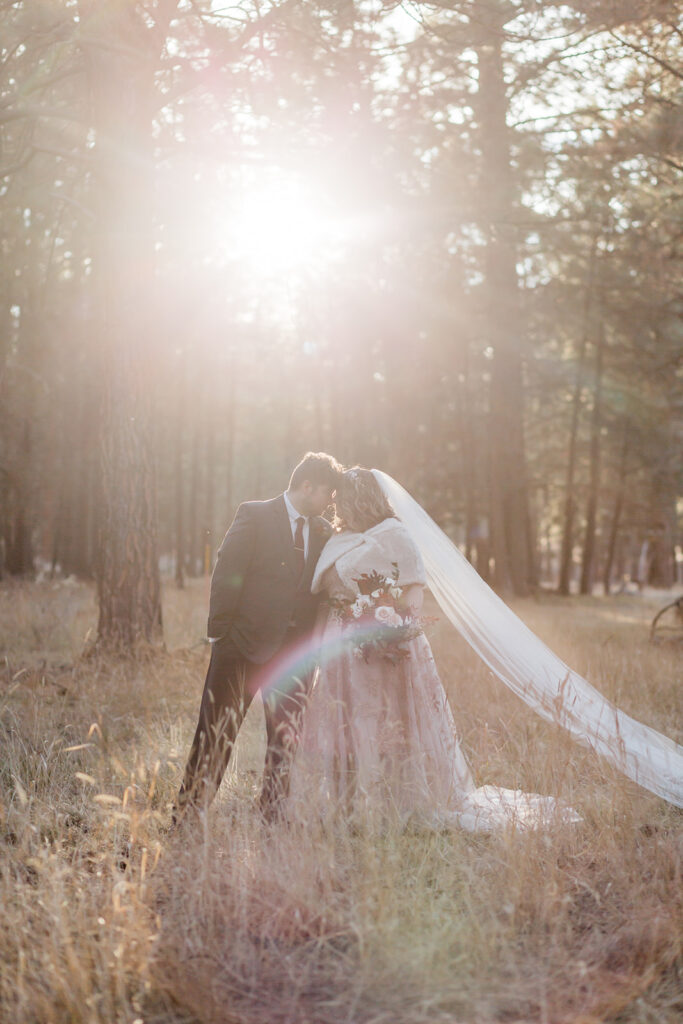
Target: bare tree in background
{"x": 120, "y": 67}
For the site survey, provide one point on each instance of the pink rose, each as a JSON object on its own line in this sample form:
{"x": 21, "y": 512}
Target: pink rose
{"x": 387, "y": 616}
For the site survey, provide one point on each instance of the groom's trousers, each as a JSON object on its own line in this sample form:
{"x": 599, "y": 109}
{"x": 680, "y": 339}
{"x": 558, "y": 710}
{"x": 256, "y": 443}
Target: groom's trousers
{"x": 231, "y": 682}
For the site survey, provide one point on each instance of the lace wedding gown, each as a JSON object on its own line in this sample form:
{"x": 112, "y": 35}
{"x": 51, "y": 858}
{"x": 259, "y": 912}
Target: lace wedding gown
{"x": 379, "y": 739}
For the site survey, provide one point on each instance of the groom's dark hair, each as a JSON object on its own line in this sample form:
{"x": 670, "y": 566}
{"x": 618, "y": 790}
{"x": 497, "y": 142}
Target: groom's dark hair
{"x": 318, "y": 468}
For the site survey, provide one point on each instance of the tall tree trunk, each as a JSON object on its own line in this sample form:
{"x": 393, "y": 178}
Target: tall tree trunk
{"x": 121, "y": 83}
{"x": 19, "y": 545}
{"x": 588, "y": 561}
{"x": 570, "y": 500}
{"x": 19, "y": 541}
{"x": 662, "y": 570}
{"x": 466, "y": 446}
{"x": 210, "y": 507}
{"x": 547, "y": 554}
{"x": 476, "y": 535}
{"x": 178, "y": 473}
{"x": 616, "y": 514}
{"x": 508, "y": 488}
{"x": 193, "y": 548}
{"x": 88, "y": 498}
{"x": 71, "y": 547}
{"x": 231, "y": 424}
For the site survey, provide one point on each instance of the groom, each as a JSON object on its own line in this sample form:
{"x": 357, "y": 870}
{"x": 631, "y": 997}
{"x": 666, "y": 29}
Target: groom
{"x": 261, "y": 615}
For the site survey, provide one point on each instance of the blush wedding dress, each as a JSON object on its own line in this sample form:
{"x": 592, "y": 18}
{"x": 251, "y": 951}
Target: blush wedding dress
{"x": 379, "y": 739}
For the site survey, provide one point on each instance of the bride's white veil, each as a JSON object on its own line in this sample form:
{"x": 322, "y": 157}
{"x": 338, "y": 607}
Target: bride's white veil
{"x": 527, "y": 666}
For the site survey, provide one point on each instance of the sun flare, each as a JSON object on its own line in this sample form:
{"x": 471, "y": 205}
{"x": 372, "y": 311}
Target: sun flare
{"x": 282, "y": 227}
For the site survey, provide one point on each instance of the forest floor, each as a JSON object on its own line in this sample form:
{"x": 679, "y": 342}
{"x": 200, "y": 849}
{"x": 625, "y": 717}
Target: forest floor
{"x": 109, "y": 917}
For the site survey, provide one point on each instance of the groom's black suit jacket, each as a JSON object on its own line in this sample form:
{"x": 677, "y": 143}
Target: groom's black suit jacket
{"x": 256, "y": 592}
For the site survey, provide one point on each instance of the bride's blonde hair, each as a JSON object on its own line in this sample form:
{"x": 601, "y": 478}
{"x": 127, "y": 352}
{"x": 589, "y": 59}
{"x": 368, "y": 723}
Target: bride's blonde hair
{"x": 360, "y": 502}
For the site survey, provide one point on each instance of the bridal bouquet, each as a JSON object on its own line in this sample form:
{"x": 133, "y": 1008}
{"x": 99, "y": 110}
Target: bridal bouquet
{"x": 376, "y": 620}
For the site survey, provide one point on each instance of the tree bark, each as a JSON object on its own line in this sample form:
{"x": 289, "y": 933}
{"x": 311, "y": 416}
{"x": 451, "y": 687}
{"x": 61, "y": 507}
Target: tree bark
{"x": 662, "y": 569}
{"x": 564, "y": 584}
{"x": 588, "y": 560}
{"x": 193, "y": 551}
{"x": 616, "y": 514}
{"x": 509, "y": 518}
{"x": 120, "y": 76}
{"x": 19, "y": 553}
{"x": 210, "y": 507}
{"x": 231, "y": 425}
{"x": 178, "y": 474}
{"x": 20, "y": 469}
{"x": 466, "y": 450}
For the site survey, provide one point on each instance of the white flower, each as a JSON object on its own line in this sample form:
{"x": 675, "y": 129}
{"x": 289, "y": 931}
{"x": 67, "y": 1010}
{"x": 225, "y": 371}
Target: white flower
{"x": 389, "y": 581}
{"x": 360, "y": 604}
{"x": 376, "y": 594}
{"x": 387, "y": 616}
{"x": 395, "y": 592}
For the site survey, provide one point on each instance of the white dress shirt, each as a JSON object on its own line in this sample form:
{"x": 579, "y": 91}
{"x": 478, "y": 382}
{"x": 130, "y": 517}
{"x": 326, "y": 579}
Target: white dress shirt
{"x": 293, "y": 516}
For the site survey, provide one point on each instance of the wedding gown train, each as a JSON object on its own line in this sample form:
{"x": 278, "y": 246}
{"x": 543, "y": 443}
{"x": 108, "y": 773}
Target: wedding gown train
{"x": 528, "y": 667}
{"x": 380, "y": 737}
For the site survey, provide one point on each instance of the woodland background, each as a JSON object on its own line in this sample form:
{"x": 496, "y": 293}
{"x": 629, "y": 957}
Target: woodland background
{"x": 482, "y": 297}
{"x": 443, "y": 239}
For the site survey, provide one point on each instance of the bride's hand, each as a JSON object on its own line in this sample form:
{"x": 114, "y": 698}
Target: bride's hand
{"x": 412, "y": 599}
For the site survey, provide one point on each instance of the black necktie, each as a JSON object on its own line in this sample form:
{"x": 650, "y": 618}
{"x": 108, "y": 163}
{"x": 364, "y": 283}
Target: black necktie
{"x": 299, "y": 549}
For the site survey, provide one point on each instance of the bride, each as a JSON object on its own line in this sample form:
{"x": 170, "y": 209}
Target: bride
{"x": 378, "y": 736}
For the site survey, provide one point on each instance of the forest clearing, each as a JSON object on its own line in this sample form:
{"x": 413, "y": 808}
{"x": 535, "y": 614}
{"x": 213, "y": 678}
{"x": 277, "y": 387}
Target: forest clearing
{"x": 357, "y": 277}
{"x": 108, "y": 917}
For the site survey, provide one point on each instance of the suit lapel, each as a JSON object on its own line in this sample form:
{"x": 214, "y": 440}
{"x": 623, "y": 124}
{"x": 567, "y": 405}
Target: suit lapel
{"x": 284, "y": 531}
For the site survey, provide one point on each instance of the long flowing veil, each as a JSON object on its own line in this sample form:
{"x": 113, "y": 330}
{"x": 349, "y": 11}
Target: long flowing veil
{"x": 527, "y": 666}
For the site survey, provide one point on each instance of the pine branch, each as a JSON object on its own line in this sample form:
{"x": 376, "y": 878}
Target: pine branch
{"x": 650, "y": 56}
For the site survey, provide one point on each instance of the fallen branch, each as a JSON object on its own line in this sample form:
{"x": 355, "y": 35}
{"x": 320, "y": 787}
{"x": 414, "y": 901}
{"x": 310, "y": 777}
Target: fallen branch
{"x": 677, "y": 604}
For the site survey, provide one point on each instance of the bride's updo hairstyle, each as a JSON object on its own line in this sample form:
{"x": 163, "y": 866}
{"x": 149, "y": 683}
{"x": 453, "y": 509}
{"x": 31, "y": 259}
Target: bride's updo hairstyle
{"x": 360, "y": 501}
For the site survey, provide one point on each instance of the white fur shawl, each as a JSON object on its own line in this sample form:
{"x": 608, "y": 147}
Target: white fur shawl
{"x": 353, "y": 554}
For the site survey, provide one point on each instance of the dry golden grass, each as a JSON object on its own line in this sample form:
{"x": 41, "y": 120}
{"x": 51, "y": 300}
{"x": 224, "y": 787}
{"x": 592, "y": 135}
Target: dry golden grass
{"x": 106, "y": 917}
